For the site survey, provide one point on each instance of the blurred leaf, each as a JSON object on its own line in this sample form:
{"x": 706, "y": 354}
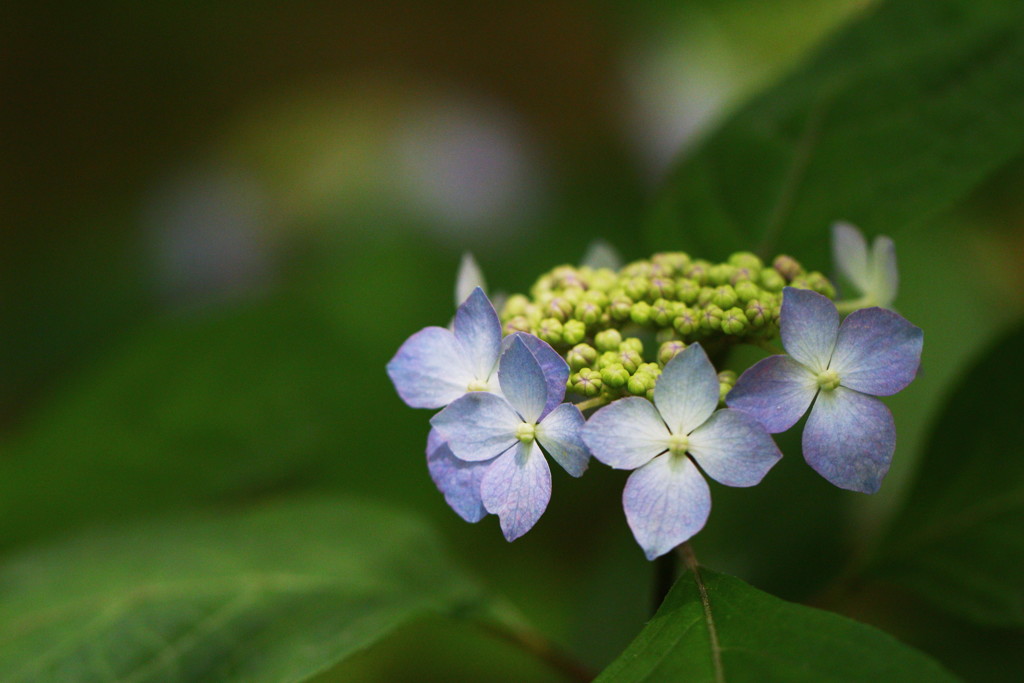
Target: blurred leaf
{"x": 893, "y": 120}
{"x": 713, "y": 627}
{"x": 276, "y": 594}
{"x": 959, "y": 539}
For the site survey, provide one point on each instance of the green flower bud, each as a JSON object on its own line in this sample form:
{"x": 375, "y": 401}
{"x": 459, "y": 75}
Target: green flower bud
{"x": 663, "y": 312}
{"x": 687, "y": 290}
{"x": 705, "y": 296}
{"x": 573, "y": 332}
{"x": 608, "y": 340}
{"x": 596, "y": 296}
{"x": 745, "y": 259}
{"x": 743, "y": 275}
{"x": 821, "y": 284}
{"x": 566, "y": 276}
{"x": 603, "y": 280}
{"x": 559, "y": 308}
{"x": 641, "y": 269}
{"x": 533, "y": 314}
{"x": 581, "y": 356}
{"x": 574, "y": 295}
{"x": 518, "y": 323}
{"x": 542, "y": 286}
{"x": 640, "y": 313}
{"x": 698, "y": 272}
{"x": 675, "y": 261}
{"x": 711, "y": 318}
{"x": 758, "y": 314}
{"x": 636, "y": 288}
{"x": 587, "y": 382}
{"x": 630, "y": 359}
{"x": 514, "y": 305}
{"x": 723, "y": 391}
{"x": 772, "y": 280}
{"x": 787, "y": 266}
{"x": 747, "y": 291}
{"x": 640, "y": 383}
{"x": 724, "y": 297}
{"x": 669, "y": 350}
{"x": 801, "y": 282}
{"x": 615, "y": 376}
{"x": 665, "y": 334}
{"x": 632, "y": 343}
{"x": 588, "y": 312}
{"x": 620, "y": 308}
{"x": 727, "y": 377}
{"x": 734, "y": 321}
{"x": 652, "y": 369}
{"x": 550, "y": 330}
{"x": 720, "y": 274}
{"x": 608, "y": 359}
{"x": 663, "y": 287}
{"x": 687, "y": 322}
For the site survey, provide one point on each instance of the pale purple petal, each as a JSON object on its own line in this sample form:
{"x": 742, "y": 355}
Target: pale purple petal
{"x": 457, "y": 479}
{"x": 560, "y": 433}
{"x": 849, "y": 439}
{"x": 809, "y": 324}
{"x": 522, "y": 381}
{"x": 686, "y": 392}
{"x": 470, "y": 277}
{"x": 878, "y": 352}
{"x": 886, "y": 277}
{"x": 776, "y": 390}
{"x": 601, "y": 254}
{"x": 430, "y": 369}
{"x": 733, "y": 448}
{"x": 478, "y": 426}
{"x": 850, "y": 255}
{"x": 666, "y": 501}
{"x": 556, "y": 370}
{"x": 517, "y": 488}
{"x": 479, "y": 331}
{"x": 626, "y": 434}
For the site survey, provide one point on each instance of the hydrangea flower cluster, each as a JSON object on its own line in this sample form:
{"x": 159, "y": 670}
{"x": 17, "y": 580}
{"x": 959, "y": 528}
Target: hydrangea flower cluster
{"x": 636, "y": 349}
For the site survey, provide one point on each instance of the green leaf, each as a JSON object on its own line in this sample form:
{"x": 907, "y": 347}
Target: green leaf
{"x": 713, "y": 627}
{"x": 277, "y": 594}
{"x": 959, "y": 539}
{"x": 895, "y": 119}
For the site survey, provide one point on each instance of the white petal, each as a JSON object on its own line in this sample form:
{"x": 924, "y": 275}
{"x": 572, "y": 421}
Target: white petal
{"x": 666, "y": 501}
{"x": 561, "y": 435}
{"x": 850, "y": 256}
{"x": 626, "y": 434}
{"x": 517, "y": 488}
{"x": 733, "y": 448}
{"x": 470, "y": 277}
{"x": 686, "y": 392}
{"x": 478, "y": 426}
{"x": 885, "y": 277}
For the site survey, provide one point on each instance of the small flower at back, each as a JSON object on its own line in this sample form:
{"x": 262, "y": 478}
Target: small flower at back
{"x": 874, "y": 274}
{"x": 507, "y": 432}
{"x": 667, "y": 499}
{"x": 850, "y": 436}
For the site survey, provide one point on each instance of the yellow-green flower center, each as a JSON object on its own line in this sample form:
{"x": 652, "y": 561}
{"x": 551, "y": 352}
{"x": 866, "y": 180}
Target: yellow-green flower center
{"x": 828, "y": 380}
{"x": 526, "y": 432}
{"x": 678, "y": 443}
{"x": 476, "y": 385}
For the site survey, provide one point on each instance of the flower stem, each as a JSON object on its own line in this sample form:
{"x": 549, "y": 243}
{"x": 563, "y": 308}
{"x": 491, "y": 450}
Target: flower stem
{"x": 590, "y": 403}
{"x": 851, "y": 305}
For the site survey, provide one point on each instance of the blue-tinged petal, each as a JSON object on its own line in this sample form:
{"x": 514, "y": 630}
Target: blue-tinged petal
{"x": 478, "y": 426}
{"x": 470, "y": 277}
{"x": 877, "y": 352}
{"x": 809, "y": 324}
{"x": 626, "y": 434}
{"x": 686, "y": 392}
{"x": 885, "y": 275}
{"x": 479, "y": 331}
{"x": 560, "y": 433}
{"x": 666, "y": 501}
{"x": 850, "y": 255}
{"x": 457, "y": 479}
{"x": 522, "y": 381}
{"x": 430, "y": 369}
{"x": 556, "y": 370}
{"x": 601, "y": 254}
{"x": 849, "y": 439}
{"x": 776, "y": 390}
{"x": 517, "y": 488}
{"x": 733, "y": 448}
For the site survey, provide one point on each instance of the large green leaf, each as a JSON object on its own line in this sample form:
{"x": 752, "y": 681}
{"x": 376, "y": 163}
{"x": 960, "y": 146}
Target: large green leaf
{"x": 713, "y": 627}
{"x": 959, "y": 539}
{"x": 893, "y": 120}
{"x": 277, "y": 594}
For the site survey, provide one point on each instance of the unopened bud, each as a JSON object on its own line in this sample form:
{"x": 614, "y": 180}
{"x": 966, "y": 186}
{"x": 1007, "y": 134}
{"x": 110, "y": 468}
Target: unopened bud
{"x": 772, "y": 280}
{"x": 745, "y": 259}
{"x": 640, "y": 383}
{"x": 588, "y": 383}
{"x": 588, "y": 311}
{"x": 821, "y": 284}
{"x": 550, "y": 330}
{"x": 687, "y": 290}
{"x": 640, "y": 313}
{"x": 727, "y": 377}
{"x": 787, "y": 266}
{"x": 686, "y": 322}
{"x": 514, "y": 305}
{"x": 662, "y": 312}
{"x": 608, "y": 340}
{"x": 698, "y": 272}
{"x": 720, "y": 274}
{"x": 581, "y": 356}
{"x": 518, "y": 323}
{"x": 632, "y": 343}
{"x": 615, "y": 376}
{"x": 747, "y": 291}
{"x": 662, "y": 287}
{"x": 573, "y": 332}
{"x": 734, "y": 321}
{"x": 636, "y": 288}
{"x": 757, "y": 313}
{"x": 559, "y": 308}
{"x": 620, "y": 308}
{"x": 670, "y": 350}
{"x": 724, "y": 297}
{"x": 711, "y": 318}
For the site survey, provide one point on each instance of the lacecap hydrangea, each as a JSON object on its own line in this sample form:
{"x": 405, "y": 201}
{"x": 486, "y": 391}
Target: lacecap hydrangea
{"x": 627, "y": 364}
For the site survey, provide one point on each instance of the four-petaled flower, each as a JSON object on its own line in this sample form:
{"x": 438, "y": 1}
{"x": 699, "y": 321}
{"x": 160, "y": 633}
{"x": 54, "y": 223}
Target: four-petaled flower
{"x": 507, "y": 432}
{"x": 435, "y": 366}
{"x": 849, "y": 437}
{"x": 875, "y": 274}
{"x": 667, "y": 499}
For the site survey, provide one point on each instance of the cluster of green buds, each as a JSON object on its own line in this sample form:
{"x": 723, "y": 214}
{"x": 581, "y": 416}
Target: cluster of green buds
{"x": 603, "y": 320}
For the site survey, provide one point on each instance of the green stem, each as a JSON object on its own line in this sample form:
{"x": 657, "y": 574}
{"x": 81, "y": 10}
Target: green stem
{"x": 851, "y": 305}
{"x": 590, "y": 403}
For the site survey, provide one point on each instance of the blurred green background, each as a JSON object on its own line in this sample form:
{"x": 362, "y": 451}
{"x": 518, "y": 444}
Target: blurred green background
{"x": 221, "y": 220}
